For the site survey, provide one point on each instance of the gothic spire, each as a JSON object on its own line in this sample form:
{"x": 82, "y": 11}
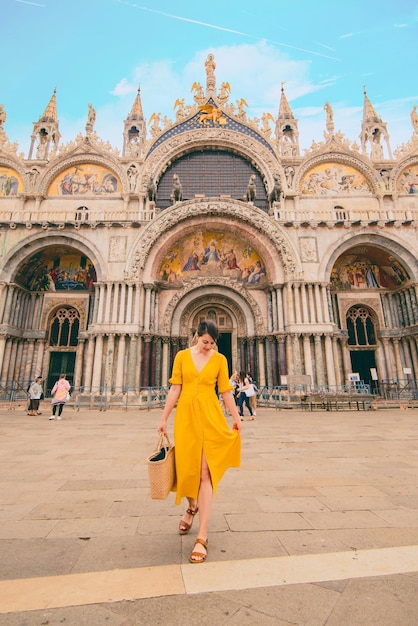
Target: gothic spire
{"x": 50, "y": 113}
{"x": 285, "y": 111}
{"x": 287, "y": 133}
{"x": 369, "y": 114}
{"x": 136, "y": 111}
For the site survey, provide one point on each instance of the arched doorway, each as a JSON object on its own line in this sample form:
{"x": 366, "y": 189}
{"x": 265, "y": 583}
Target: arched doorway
{"x": 361, "y": 326}
{"x": 224, "y": 321}
{"x": 63, "y": 332}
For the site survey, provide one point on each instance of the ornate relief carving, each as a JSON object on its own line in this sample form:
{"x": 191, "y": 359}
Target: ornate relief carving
{"x": 174, "y": 216}
{"x": 117, "y": 249}
{"x": 222, "y": 282}
{"x": 267, "y": 160}
{"x": 357, "y": 163}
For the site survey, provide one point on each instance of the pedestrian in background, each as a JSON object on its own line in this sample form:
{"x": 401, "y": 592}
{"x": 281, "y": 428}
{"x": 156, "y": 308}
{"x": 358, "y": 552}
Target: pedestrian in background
{"x": 60, "y": 393}
{"x": 35, "y": 393}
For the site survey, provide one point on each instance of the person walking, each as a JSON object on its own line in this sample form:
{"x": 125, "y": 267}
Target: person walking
{"x": 60, "y": 394}
{"x": 205, "y": 445}
{"x": 252, "y": 394}
{"x": 243, "y": 398}
{"x": 35, "y": 393}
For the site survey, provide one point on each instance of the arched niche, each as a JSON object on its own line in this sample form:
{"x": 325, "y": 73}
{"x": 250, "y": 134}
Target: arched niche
{"x": 331, "y": 178}
{"x": 85, "y": 179}
{"x": 53, "y": 268}
{"x": 212, "y": 252}
{"x": 11, "y": 182}
{"x": 368, "y": 266}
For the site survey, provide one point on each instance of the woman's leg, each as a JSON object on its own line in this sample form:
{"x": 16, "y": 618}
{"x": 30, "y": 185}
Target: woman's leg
{"x": 60, "y": 407}
{"x": 188, "y": 517}
{"x": 54, "y": 408}
{"x": 204, "y": 502}
{"x": 247, "y": 402}
{"x": 241, "y": 398}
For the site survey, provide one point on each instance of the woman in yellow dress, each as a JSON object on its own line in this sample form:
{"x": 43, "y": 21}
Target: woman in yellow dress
{"x": 205, "y": 445}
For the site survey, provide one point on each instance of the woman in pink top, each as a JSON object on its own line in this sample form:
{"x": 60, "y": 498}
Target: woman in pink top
{"x": 60, "y": 393}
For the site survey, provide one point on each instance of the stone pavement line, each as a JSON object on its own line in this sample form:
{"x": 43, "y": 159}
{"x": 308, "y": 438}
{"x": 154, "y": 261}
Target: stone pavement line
{"x": 32, "y": 594}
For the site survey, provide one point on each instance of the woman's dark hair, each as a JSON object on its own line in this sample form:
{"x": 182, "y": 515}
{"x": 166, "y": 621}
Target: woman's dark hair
{"x": 209, "y": 327}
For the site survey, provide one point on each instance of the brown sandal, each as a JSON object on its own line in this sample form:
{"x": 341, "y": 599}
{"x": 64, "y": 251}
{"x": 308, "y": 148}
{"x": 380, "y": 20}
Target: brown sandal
{"x": 199, "y": 557}
{"x": 184, "y": 527}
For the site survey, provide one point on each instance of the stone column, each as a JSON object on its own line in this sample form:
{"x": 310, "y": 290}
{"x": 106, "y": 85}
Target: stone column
{"x": 8, "y": 305}
{"x": 122, "y": 301}
{"x": 261, "y": 367}
{"x": 147, "y": 312}
{"x": 108, "y": 302}
{"x": 88, "y": 368}
{"x": 337, "y": 362}
{"x": 325, "y": 303}
{"x": 146, "y": 357}
{"x": 102, "y": 297}
{"x": 297, "y": 363}
{"x": 329, "y": 358}
{"x": 305, "y": 313}
{"x": 313, "y": 317}
{"x": 319, "y": 361}
{"x": 346, "y": 360}
{"x": 283, "y": 366}
{"x": 2, "y": 350}
{"x": 280, "y": 309}
{"x": 165, "y": 365}
{"x": 296, "y": 296}
{"x": 271, "y": 358}
{"x": 307, "y": 355}
{"x": 120, "y": 364}
{"x": 398, "y": 362}
{"x": 413, "y": 349}
{"x": 3, "y": 298}
{"x": 79, "y": 358}
{"x": 274, "y": 316}
{"x": 29, "y": 374}
{"x": 132, "y": 361}
{"x": 110, "y": 354}
{"x": 129, "y": 304}
{"x": 318, "y": 303}
{"x": 97, "y": 365}
{"x": 115, "y": 305}
{"x": 96, "y": 305}
{"x": 390, "y": 371}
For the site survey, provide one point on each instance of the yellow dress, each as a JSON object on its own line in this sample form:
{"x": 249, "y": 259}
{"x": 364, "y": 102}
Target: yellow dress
{"x": 200, "y": 424}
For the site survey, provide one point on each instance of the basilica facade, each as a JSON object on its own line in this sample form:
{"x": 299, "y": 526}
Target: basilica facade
{"x": 307, "y": 262}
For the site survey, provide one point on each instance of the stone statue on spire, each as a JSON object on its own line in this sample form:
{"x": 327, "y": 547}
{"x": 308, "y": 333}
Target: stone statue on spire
{"x": 91, "y": 118}
{"x": 210, "y": 66}
{"x": 329, "y": 124}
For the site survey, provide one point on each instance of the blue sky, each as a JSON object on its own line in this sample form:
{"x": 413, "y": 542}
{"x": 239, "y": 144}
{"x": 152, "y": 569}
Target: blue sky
{"x": 99, "y": 51}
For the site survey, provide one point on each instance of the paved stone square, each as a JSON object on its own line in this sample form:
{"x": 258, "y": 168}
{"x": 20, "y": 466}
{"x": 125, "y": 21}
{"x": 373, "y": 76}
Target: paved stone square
{"x": 318, "y": 526}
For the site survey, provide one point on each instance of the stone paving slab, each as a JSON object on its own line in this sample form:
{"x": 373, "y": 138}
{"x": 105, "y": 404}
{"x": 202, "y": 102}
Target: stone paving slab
{"x": 74, "y": 499}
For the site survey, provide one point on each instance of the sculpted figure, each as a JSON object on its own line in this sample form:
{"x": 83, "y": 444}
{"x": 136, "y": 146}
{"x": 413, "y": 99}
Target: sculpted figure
{"x": 251, "y": 189}
{"x": 198, "y": 93}
{"x": 330, "y": 118}
{"x": 177, "y": 191}
{"x": 152, "y": 190}
{"x": 3, "y": 116}
{"x": 289, "y": 173}
{"x": 276, "y": 192}
{"x": 414, "y": 119}
{"x": 91, "y": 116}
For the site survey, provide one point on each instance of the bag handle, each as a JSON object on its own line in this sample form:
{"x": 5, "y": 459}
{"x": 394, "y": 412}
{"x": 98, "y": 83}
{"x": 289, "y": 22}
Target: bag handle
{"x": 160, "y": 443}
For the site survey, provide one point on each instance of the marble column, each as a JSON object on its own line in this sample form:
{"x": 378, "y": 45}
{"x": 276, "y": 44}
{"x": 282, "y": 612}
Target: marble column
{"x": 97, "y": 365}
{"x": 399, "y": 370}
{"x": 312, "y": 310}
{"x": 110, "y": 354}
{"x": 79, "y": 358}
{"x": 261, "y": 366}
{"x": 164, "y": 366}
{"x": 319, "y": 361}
{"x": 280, "y": 309}
{"x": 329, "y": 359}
{"x": 120, "y": 364}
{"x": 307, "y": 355}
{"x": 88, "y": 367}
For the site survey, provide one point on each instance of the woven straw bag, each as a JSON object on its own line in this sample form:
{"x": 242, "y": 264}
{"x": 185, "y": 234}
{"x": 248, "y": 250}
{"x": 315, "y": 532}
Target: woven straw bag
{"x": 162, "y": 469}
